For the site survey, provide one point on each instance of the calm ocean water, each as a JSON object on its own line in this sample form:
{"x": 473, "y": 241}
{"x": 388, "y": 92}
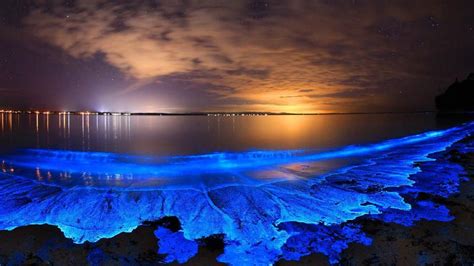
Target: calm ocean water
{"x": 181, "y": 135}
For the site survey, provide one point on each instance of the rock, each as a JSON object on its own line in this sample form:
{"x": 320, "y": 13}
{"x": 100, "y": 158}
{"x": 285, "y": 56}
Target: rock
{"x": 459, "y": 97}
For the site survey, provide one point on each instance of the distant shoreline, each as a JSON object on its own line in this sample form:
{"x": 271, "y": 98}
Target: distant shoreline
{"x": 204, "y": 113}
{"x": 227, "y": 114}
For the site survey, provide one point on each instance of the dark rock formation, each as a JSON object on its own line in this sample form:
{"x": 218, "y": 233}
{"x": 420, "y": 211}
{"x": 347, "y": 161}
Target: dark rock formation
{"x": 459, "y": 97}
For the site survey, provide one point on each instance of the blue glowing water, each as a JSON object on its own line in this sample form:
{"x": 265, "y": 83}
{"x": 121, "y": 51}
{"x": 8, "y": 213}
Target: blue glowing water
{"x": 269, "y": 205}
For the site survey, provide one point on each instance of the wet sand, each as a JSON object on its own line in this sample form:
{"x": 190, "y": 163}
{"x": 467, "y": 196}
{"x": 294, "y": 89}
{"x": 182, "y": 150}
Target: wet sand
{"x": 427, "y": 242}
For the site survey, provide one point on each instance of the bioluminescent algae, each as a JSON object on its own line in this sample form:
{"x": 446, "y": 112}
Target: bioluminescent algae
{"x": 175, "y": 246}
{"x": 268, "y": 205}
{"x": 329, "y": 240}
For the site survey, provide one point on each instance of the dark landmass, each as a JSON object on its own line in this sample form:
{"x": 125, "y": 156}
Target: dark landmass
{"x": 425, "y": 243}
{"x": 459, "y": 97}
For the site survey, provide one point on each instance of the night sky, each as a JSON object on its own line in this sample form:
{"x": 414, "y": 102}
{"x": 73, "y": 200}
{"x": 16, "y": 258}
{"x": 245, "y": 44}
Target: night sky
{"x": 239, "y": 55}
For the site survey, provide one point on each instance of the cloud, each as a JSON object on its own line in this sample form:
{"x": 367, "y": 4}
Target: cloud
{"x": 284, "y": 55}
{"x": 346, "y": 94}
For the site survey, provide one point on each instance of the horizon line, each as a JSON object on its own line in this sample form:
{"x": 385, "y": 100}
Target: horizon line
{"x": 243, "y": 113}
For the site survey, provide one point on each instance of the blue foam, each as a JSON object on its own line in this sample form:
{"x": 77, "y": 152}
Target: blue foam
{"x": 267, "y": 204}
{"x": 175, "y": 246}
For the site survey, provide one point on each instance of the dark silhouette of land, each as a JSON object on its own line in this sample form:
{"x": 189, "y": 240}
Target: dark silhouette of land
{"x": 459, "y": 97}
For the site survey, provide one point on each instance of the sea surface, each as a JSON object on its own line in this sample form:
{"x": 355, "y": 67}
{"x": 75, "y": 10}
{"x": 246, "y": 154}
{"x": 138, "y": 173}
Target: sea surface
{"x": 274, "y": 187}
{"x": 185, "y": 135}
{"x": 143, "y": 141}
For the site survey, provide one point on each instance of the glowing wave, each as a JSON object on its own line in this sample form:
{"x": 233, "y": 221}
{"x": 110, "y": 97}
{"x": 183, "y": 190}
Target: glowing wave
{"x": 268, "y": 204}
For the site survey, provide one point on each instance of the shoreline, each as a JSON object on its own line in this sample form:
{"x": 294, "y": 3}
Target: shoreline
{"x": 424, "y": 242}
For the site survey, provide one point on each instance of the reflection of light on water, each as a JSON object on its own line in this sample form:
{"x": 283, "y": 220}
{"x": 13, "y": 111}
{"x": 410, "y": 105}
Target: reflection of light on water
{"x": 68, "y": 128}
{"x": 82, "y": 129}
{"x": 106, "y": 128}
{"x": 37, "y": 129}
{"x": 97, "y": 128}
{"x": 115, "y": 127}
{"x": 85, "y": 129}
{"x": 60, "y": 124}
{"x": 37, "y": 123}
{"x": 129, "y": 135}
{"x": 39, "y": 177}
{"x": 47, "y": 122}
{"x": 47, "y": 128}
{"x": 10, "y": 122}
{"x": 88, "y": 131}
